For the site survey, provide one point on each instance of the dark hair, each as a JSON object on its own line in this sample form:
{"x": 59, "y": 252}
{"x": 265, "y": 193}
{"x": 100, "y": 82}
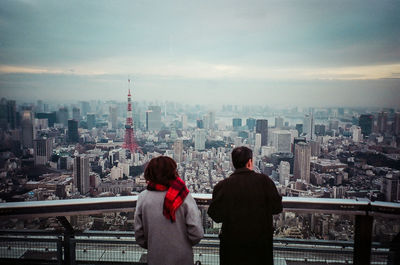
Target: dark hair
{"x": 161, "y": 170}
{"x": 240, "y": 156}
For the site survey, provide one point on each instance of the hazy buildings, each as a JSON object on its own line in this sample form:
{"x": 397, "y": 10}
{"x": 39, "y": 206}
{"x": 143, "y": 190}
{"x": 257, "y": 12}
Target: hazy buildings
{"x": 284, "y": 170}
{"x": 396, "y": 124}
{"x": 81, "y": 174}
{"x": 153, "y": 118}
{"x": 43, "y": 149}
{"x": 11, "y": 114}
{"x": 382, "y": 122}
{"x": 178, "y": 150}
{"x": 62, "y": 116}
{"x": 366, "y": 122}
{"x": 251, "y": 124}
{"x": 262, "y": 128}
{"x": 315, "y": 148}
{"x": 76, "y": 114}
{"x": 50, "y": 116}
{"x": 113, "y": 117}
{"x": 278, "y": 122}
{"x": 184, "y": 122}
{"x": 91, "y": 120}
{"x": 302, "y": 161}
{"x": 236, "y": 123}
{"x": 308, "y": 126}
{"x": 356, "y": 133}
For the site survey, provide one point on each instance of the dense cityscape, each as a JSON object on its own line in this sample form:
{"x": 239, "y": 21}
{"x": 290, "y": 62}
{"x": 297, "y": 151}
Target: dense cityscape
{"x": 100, "y": 149}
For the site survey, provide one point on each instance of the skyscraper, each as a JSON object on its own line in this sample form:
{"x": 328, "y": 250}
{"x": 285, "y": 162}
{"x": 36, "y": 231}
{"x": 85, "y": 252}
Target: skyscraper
{"x": 278, "y": 122}
{"x": 27, "y": 129}
{"x": 366, "y": 121}
{"x": 81, "y": 174}
{"x": 262, "y": 128}
{"x": 382, "y": 122}
{"x": 319, "y": 129}
{"x": 76, "y": 114}
{"x": 153, "y": 118}
{"x": 178, "y": 150}
{"x": 11, "y": 114}
{"x": 73, "y": 135}
{"x": 308, "y": 126}
{"x": 62, "y": 116}
{"x": 284, "y": 170}
{"x": 211, "y": 114}
{"x": 199, "y": 139}
{"x": 315, "y": 148}
{"x": 251, "y": 124}
{"x": 281, "y": 140}
{"x": 43, "y": 149}
{"x": 91, "y": 121}
{"x": 50, "y": 116}
{"x": 302, "y": 162}
{"x": 113, "y": 117}
{"x": 356, "y": 133}
{"x": 396, "y": 123}
{"x": 236, "y": 123}
{"x": 257, "y": 145}
{"x": 184, "y": 122}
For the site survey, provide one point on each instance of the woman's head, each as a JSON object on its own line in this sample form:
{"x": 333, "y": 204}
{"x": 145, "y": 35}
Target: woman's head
{"x": 161, "y": 170}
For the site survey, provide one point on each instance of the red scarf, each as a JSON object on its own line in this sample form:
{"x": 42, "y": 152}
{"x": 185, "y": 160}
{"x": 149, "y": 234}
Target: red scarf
{"x": 176, "y": 194}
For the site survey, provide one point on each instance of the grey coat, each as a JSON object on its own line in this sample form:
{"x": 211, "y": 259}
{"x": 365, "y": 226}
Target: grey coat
{"x": 167, "y": 243}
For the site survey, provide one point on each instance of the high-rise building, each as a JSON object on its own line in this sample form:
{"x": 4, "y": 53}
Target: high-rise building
{"x": 206, "y": 121}
{"x": 391, "y": 187}
{"x": 73, "y": 135}
{"x": 91, "y": 121}
{"x": 153, "y": 118}
{"x": 85, "y": 107}
{"x": 281, "y": 140}
{"x": 302, "y": 161}
{"x": 27, "y": 129}
{"x": 236, "y": 123}
{"x": 50, "y": 116}
{"x": 11, "y": 114}
{"x": 319, "y": 129}
{"x": 262, "y": 128}
{"x": 251, "y": 124}
{"x": 382, "y": 122}
{"x": 315, "y": 148}
{"x": 308, "y": 126}
{"x": 278, "y": 122}
{"x": 184, "y": 122}
{"x": 76, "y": 114}
{"x": 299, "y": 128}
{"x": 199, "y": 124}
{"x": 81, "y": 174}
{"x": 199, "y": 139}
{"x": 366, "y": 122}
{"x": 284, "y": 170}
{"x": 113, "y": 117}
{"x": 178, "y": 150}
{"x": 211, "y": 114}
{"x": 297, "y": 140}
{"x": 396, "y": 124}
{"x": 43, "y": 149}
{"x": 62, "y": 116}
{"x": 333, "y": 124}
{"x": 356, "y": 133}
{"x": 257, "y": 145}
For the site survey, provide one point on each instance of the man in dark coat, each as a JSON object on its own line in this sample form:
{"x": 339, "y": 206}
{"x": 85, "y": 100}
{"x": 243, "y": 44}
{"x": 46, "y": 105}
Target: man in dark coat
{"x": 245, "y": 203}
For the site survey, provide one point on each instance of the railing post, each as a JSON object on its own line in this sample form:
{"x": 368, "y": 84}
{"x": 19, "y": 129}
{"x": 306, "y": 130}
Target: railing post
{"x": 69, "y": 241}
{"x": 59, "y": 251}
{"x": 362, "y": 240}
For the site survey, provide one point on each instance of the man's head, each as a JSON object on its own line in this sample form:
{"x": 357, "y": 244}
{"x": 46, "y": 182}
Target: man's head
{"x": 242, "y": 157}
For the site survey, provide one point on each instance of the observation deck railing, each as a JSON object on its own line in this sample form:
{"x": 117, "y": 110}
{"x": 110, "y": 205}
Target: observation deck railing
{"x": 99, "y": 247}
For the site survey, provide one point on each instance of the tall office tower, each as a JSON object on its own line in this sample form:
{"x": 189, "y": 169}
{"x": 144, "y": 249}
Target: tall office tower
{"x": 356, "y": 133}
{"x": 281, "y": 140}
{"x": 113, "y": 117}
{"x": 39, "y": 106}
{"x": 315, "y": 148}
{"x": 391, "y": 187}
{"x": 62, "y": 116}
{"x": 333, "y": 124}
{"x": 43, "y": 149}
{"x": 178, "y": 150}
{"x": 382, "y": 122}
{"x": 76, "y": 114}
{"x": 153, "y": 118}
{"x": 199, "y": 124}
{"x": 85, "y": 107}
{"x": 284, "y": 170}
{"x": 302, "y": 162}
{"x": 366, "y": 122}
{"x": 81, "y": 174}
{"x": 262, "y": 128}
{"x": 27, "y": 129}
{"x": 73, "y": 135}
{"x": 257, "y": 145}
{"x": 396, "y": 124}
{"x": 297, "y": 140}
{"x": 11, "y": 114}
{"x": 199, "y": 139}
{"x": 129, "y": 139}
{"x": 278, "y": 122}
{"x": 211, "y": 114}
{"x": 50, "y": 116}
{"x": 184, "y": 122}
{"x": 91, "y": 120}
{"x": 3, "y": 114}
{"x": 308, "y": 126}
{"x": 206, "y": 121}
{"x": 251, "y": 124}
{"x": 236, "y": 123}
{"x": 319, "y": 129}
{"x": 299, "y": 128}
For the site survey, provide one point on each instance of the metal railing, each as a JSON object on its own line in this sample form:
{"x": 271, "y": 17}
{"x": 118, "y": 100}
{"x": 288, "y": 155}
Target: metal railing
{"x": 73, "y": 247}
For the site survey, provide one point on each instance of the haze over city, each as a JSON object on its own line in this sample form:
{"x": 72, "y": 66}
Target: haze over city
{"x": 308, "y": 53}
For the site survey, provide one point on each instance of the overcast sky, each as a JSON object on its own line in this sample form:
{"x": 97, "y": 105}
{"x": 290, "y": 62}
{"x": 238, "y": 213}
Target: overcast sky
{"x": 283, "y": 53}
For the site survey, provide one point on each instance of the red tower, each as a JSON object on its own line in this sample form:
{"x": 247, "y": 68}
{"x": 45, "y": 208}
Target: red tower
{"x": 129, "y": 140}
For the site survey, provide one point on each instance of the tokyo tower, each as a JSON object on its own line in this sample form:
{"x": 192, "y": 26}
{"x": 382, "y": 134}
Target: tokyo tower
{"x": 129, "y": 140}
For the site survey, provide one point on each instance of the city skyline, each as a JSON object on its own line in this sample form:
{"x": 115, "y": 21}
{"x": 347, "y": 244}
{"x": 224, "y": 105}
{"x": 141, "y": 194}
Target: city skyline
{"x": 306, "y": 54}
